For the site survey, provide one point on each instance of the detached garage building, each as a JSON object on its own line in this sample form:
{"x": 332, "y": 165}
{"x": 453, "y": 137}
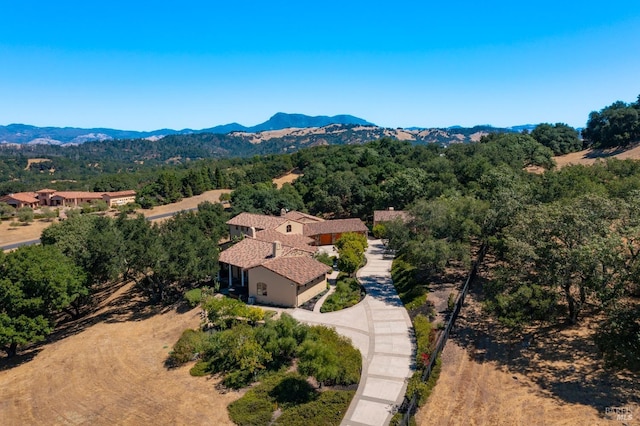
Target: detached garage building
{"x": 328, "y": 232}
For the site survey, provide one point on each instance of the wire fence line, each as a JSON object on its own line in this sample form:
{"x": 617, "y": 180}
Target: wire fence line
{"x": 411, "y": 404}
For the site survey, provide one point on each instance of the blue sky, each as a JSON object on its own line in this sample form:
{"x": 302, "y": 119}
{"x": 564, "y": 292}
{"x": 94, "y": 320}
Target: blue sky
{"x": 196, "y": 64}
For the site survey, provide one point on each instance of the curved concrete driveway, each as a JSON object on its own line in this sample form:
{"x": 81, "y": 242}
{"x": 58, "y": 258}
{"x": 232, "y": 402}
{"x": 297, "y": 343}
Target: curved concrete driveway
{"x": 380, "y": 328}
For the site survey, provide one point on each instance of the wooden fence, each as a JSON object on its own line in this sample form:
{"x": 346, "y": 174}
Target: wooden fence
{"x": 411, "y": 404}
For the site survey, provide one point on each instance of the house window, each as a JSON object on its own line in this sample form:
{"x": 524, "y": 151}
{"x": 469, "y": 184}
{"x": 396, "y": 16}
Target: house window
{"x": 288, "y": 228}
{"x": 262, "y": 289}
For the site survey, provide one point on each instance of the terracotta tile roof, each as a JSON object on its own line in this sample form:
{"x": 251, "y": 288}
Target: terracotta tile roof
{"x": 128, "y": 193}
{"x": 302, "y": 217}
{"x": 46, "y": 191}
{"x": 258, "y": 221}
{"x": 300, "y": 270}
{"x": 249, "y": 253}
{"x": 292, "y": 240}
{"x": 336, "y": 226}
{"x": 70, "y": 195}
{"x": 23, "y": 197}
{"x": 389, "y": 215}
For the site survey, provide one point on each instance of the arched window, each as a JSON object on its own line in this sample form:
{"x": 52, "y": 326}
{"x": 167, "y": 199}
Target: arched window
{"x": 288, "y": 228}
{"x": 262, "y": 289}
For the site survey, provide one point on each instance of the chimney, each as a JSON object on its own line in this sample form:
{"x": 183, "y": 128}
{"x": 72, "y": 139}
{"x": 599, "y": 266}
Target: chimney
{"x": 390, "y": 209}
{"x": 283, "y": 211}
{"x": 277, "y": 249}
{"x": 252, "y": 232}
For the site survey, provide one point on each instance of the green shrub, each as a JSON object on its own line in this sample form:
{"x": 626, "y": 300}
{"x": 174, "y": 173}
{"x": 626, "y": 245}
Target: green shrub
{"x": 412, "y": 293}
{"x": 348, "y": 293}
{"x": 251, "y": 410}
{"x": 451, "y": 302}
{"x": 424, "y": 389}
{"x": 201, "y": 368}
{"x": 190, "y": 343}
{"x": 328, "y": 409}
{"x": 193, "y": 297}
{"x": 379, "y": 231}
{"x": 325, "y": 258}
{"x": 422, "y": 327}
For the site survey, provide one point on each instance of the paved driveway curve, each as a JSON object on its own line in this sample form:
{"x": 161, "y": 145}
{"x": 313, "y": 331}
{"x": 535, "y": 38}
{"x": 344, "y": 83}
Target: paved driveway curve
{"x": 380, "y": 328}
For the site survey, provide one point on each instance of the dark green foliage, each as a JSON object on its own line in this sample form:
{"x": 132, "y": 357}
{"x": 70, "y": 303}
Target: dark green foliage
{"x": 325, "y": 258}
{"x": 348, "y": 293}
{"x": 424, "y": 389}
{"x": 328, "y": 409}
{"x": 351, "y": 248}
{"x": 36, "y": 282}
{"x": 193, "y": 297}
{"x": 424, "y": 335}
{"x": 191, "y": 342}
{"x": 615, "y": 125}
{"x": 618, "y": 337}
{"x": 412, "y": 293}
{"x": 299, "y": 402}
{"x": 329, "y": 357}
{"x": 559, "y": 137}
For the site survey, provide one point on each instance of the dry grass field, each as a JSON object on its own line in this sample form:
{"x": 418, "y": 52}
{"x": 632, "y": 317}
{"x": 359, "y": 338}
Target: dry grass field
{"x": 552, "y": 377}
{"x": 591, "y": 156}
{"x": 288, "y": 178}
{"x": 109, "y": 369}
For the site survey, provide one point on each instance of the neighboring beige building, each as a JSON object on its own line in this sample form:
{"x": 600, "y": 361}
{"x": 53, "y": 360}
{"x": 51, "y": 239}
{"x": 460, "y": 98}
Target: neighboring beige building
{"x": 21, "y": 199}
{"x": 51, "y": 197}
{"x": 119, "y": 198}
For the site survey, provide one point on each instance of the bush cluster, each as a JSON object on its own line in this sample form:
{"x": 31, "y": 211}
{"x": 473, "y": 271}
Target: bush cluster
{"x": 348, "y": 293}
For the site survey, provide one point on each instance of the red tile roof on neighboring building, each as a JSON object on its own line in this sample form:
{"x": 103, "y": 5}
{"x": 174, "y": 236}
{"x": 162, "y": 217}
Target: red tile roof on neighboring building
{"x": 114, "y": 194}
{"x": 71, "y": 195}
{"x": 23, "y": 197}
{"x": 293, "y": 240}
{"x": 258, "y": 221}
{"x": 336, "y": 226}
{"x": 300, "y": 270}
{"x": 389, "y": 215}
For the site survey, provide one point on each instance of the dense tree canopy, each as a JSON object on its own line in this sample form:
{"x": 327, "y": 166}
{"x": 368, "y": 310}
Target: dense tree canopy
{"x": 615, "y": 125}
{"x": 559, "y": 137}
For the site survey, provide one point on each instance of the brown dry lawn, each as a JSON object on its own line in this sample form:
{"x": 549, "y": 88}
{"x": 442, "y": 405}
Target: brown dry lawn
{"x": 591, "y": 156}
{"x": 109, "y": 369}
{"x": 551, "y": 377}
{"x": 288, "y": 178}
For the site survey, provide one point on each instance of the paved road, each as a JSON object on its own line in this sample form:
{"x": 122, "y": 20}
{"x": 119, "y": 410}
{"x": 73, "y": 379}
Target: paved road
{"x": 380, "y": 328}
{"x": 20, "y": 244}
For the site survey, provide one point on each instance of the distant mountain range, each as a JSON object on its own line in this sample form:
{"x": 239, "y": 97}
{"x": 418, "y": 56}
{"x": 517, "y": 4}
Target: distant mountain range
{"x": 25, "y": 134}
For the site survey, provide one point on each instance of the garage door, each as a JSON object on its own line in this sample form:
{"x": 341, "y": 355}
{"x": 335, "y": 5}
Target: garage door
{"x": 325, "y": 239}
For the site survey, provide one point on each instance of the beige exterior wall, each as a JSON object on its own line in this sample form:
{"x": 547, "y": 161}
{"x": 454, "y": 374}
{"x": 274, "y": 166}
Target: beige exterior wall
{"x": 119, "y": 201}
{"x": 312, "y": 289}
{"x": 238, "y": 231}
{"x": 280, "y": 291}
{"x": 296, "y": 228}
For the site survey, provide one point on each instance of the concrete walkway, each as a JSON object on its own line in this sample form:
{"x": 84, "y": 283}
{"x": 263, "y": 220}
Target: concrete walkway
{"x": 380, "y": 328}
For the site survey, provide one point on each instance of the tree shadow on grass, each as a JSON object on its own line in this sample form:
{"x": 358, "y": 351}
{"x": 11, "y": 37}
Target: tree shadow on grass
{"x": 121, "y": 302}
{"x": 561, "y": 359}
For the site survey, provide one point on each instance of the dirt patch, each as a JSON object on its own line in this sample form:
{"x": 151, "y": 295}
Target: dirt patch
{"x": 548, "y": 377}
{"x": 288, "y": 178}
{"x": 31, "y": 161}
{"x": 112, "y": 372}
{"x": 187, "y": 203}
{"x": 591, "y": 156}
{"x": 10, "y": 234}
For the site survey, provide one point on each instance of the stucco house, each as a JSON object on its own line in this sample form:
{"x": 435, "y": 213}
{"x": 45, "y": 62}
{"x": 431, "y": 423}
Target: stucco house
{"x": 21, "y": 199}
{"x": 320, "y": 231}
{"x": 275, "y": 273}
{"x": 329, "y": 231}
{"x": 274, "y": 261}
